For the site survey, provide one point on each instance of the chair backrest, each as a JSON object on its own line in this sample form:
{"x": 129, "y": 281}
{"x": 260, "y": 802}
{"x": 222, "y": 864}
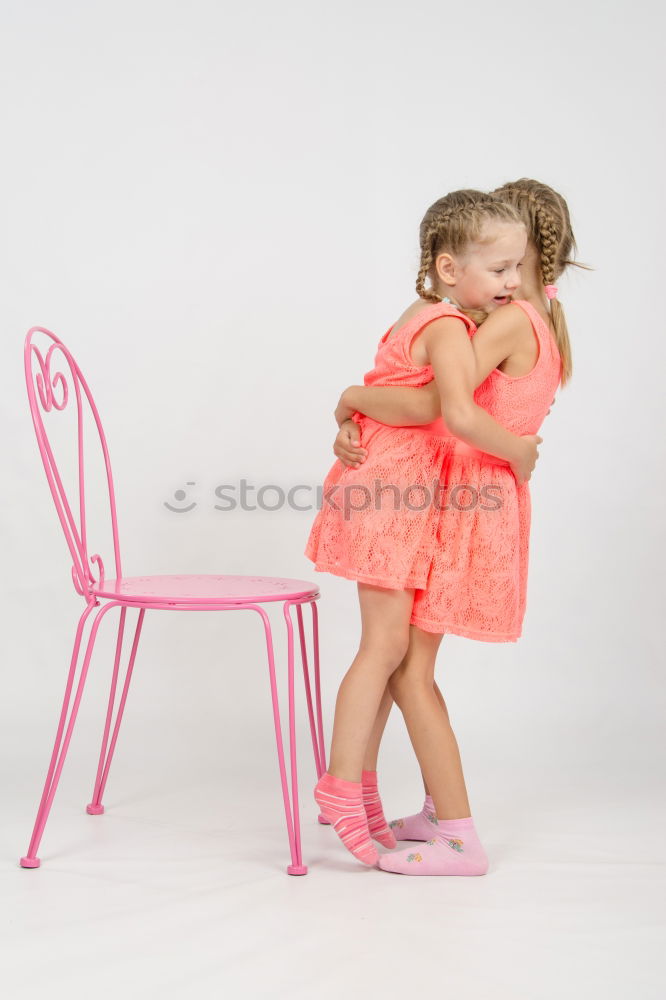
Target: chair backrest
{"x": 51, "y": 374}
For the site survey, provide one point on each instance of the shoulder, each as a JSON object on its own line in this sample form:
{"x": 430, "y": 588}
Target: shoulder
{"x": 507, "y": 326}
{"x": 445, "y": 326}
{"x": 446, "y": 339}
{"x": 420, "y": 305}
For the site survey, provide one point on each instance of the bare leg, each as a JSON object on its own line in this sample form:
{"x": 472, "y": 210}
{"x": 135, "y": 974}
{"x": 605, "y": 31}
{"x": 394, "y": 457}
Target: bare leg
{"x": 384, "y": 641}
{"x": 372, "y": 750}
{"x": 440, "y": 699}
{"x": 435, "y": 745}
{"x": 385, "y": 706}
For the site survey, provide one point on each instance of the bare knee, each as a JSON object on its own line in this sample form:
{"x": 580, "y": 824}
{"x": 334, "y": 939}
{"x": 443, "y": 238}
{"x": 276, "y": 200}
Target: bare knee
{"x": 409, "y": 677}
{"x": 389, "y": 648}
{"x": 397, "y": 683}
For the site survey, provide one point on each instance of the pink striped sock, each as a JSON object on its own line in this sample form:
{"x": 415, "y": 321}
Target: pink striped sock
{"x": 341, "y": 803}
{"x": 455, "y": 849}
{"x": 420, "y": 826}
{"x": 377, "y": 825}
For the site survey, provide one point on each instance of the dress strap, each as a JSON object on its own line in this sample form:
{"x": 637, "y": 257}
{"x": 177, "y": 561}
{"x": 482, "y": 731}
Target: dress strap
{"x": 410, "y": 332}
{"x": 539, "y": 324}
{"x": 549, "y": 352}
{"x": 429, "y": 313}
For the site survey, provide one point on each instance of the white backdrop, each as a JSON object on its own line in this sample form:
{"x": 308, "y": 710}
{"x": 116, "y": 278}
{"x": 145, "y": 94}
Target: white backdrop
{"x": 216, "y": 207}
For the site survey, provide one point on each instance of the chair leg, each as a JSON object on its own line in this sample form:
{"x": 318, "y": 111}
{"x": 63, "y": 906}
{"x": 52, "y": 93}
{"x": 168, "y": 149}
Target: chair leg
{"x": 58, "y": 756}
{"x": 299, "y": 868}
{"x": 315, "y": 647}
{"x": 320, "y": 721}
{"x": 290, "y": 806}
{"x": 316, "y": 724}
{"x": 95, "y": 808}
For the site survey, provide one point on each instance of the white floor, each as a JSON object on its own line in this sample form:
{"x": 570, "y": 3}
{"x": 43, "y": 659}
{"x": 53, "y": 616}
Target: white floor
{"x": 179, "y": 892}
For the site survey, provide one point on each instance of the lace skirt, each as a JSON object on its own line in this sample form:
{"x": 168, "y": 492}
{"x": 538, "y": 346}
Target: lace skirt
{"x": 432, "y": 514}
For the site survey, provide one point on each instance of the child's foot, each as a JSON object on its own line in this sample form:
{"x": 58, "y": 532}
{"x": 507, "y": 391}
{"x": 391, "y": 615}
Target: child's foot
{"x": 341, "y": 803}
{"x": 421, "y": 826}
{"x": 455, "y": 849}
{"x": 377, "y": 825}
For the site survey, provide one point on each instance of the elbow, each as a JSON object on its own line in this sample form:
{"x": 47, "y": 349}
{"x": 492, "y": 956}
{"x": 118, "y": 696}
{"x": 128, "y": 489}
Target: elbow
{"x": 458, "y": 419}
{"x": 420, "y": 416}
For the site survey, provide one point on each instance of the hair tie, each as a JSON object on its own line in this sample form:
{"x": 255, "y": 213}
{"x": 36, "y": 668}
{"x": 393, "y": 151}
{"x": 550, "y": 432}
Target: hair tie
{"x": 551, "y": 291}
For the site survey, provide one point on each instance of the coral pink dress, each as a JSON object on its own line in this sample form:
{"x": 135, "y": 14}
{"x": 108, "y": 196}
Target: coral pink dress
{"x": 374, "y": 525}
{"x": 478, "y": 580}
{"x": 429, "y": 512}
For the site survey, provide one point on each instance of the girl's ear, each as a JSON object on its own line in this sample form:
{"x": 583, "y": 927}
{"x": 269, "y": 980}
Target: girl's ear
{"x": 445, "y": 268}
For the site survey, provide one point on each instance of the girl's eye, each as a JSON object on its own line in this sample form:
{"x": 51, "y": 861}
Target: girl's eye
{"x": 499, "y": 270}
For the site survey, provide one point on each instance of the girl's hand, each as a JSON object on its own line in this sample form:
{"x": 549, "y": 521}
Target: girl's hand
{"x": 347, "y": 445}
{"x": 523, "y": 467}
{"x": 343, "y": 410}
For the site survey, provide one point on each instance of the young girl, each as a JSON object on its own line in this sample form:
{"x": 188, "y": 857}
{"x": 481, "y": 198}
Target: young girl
{"x": 477, "y": 586}
{"x": 378, "y": 523}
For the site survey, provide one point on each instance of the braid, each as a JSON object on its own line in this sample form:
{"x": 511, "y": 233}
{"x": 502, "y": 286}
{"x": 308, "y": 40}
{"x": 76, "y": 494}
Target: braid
{"x": 546, "y": 215}
{"x": 548, "y": 243}
{"x": 427, "y": 260}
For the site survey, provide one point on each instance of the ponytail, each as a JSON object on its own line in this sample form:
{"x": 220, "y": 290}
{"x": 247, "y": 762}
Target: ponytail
{"x": 561, "y": 333}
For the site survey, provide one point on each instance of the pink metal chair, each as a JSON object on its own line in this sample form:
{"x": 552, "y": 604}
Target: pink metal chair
{"x": 164, "y": 593}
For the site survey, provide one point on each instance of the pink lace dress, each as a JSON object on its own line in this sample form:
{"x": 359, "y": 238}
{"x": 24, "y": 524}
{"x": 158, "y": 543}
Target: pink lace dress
{"x": 376, "y": 523}
{"x": 427, "y": 511}
{"x": 477, "y": 585}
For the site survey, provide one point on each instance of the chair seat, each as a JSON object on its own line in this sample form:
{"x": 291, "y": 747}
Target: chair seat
{"x": 205, "y": 590}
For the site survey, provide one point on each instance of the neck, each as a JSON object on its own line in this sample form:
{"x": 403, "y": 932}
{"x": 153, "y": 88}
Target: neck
{"x": 448, "y": 293}
{"x": 531, "y": 288}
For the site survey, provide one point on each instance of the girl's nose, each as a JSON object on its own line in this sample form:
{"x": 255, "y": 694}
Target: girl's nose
{"x": 513, "y": 281}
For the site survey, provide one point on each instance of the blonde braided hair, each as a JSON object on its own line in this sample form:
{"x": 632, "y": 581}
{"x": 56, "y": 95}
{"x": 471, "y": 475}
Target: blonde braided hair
{"x": 546, "y": 215}
{"x": 449, "y": 226}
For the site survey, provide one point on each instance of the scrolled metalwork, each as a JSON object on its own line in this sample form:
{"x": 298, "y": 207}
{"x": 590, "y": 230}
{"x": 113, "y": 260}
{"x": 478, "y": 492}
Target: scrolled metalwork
{"x": 46, "y": 383}
{"x": 51, "y": 387}
{"x": 100, "y": 565}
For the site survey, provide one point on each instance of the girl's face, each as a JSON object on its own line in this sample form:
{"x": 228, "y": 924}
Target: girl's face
{"x": 488, "y": 273}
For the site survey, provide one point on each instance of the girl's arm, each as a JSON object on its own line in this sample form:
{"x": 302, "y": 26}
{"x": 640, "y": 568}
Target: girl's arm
{"x": 397, "y": 406}
{"x": 457, "y": 374}
{"x": 502, "y": 334}
{"x": 452, "y": 357}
